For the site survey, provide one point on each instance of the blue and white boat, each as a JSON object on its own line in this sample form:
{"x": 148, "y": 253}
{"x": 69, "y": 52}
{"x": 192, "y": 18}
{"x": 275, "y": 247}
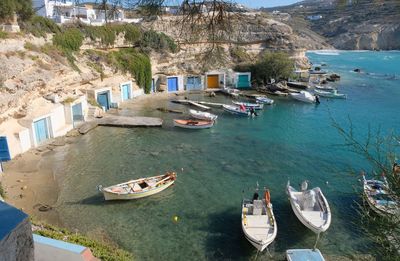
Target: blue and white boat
{"x": 304, "y": 255}
{"x": 264, "y": 100}
{"x": 255, "y": 106}
{"x": 235, "y": 110}
{"x": 379, "y": 197}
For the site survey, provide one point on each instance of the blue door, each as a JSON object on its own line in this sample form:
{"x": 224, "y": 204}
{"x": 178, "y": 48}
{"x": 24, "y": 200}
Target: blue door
{"x": 126, "y": 92}
{"x": 41, "y": 130}
{"x": 4, "y": 151}
{"x": 193, "y": 83}
{"x": 153, "y": 86}
{"x": 173, "y": 84}
{"x": 77, "y": 112}
{"x": 102, "y": 99}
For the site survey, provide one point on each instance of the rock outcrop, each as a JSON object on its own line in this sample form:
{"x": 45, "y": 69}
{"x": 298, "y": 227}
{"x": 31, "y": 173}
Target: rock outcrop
{"x": 350, "y": 25}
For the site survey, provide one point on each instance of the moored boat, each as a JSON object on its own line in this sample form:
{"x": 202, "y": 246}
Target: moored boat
{"x": 310, "y": 207}
{"x": 236, "y": 110}
{"x": 379, "y": 197}
{"x": 297, "y": 85}
{"x": 304, "y": 255}
{"x": 303, "y": 96}
{"x": 258, "y": 221}
{"x": 247, "y": 105}
{"x": 264, "y": 100}
{"x": 331, "y": 94}
{"x": 138, "y": 188}
{"x": 324, "y": 88}
{"x": 203, "y": 115}
{"x": 193, "y": 124}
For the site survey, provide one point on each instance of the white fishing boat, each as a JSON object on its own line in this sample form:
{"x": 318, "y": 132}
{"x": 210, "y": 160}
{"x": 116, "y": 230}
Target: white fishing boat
{"x": 303, "y": 96}
{"x": 138, "y": 188}
{"x": 324, "y": 88}
{"x": 247, "y": 105}
{"x": 331, "y": 94}
{"x": 258, "y": 221}
{"x": 379, "y": 197}
{"x": 264, "y": 100}
{"x": 201, "y": 115}
{"x": 310, "y": 207}
{"x": 193, "y": 124}
{"x": 236, "y": 110}
{"x": 304, "y": 255}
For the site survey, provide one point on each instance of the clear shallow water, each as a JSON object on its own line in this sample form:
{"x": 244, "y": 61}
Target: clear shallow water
{"x": 288, "y": 140}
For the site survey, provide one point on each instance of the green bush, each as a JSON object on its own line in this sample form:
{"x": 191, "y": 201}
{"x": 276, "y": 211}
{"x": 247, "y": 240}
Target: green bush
{"x": 23, "y": 8}
{"x": 70, "y": 40}
{"x": 2, "y": 190}
{"x": 103, "y": 251}
{"x": 3, "y": 35}
{"x": 276, "y": 66}
{"x": 107, "y": 34}
{"x": 40, "y": 26}
{"x": 157, "y": 41}
{"x": 136, "y": 63}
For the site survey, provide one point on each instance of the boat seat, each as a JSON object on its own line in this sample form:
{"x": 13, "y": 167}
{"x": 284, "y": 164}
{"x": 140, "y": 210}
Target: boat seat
{"x": 135, "y": 188}
{"x": 257, "y": 207}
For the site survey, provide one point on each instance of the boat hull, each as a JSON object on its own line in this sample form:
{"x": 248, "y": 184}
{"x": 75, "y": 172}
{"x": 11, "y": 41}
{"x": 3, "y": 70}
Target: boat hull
{"x": 236, "y": 112}
{"x": 303, "y": 219}
{"x": 130, "y": 196}
{"x": 190, "y": 126}
{"x": 203, "y": 116}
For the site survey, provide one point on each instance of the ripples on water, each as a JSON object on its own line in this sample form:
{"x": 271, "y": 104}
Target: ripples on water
{"x": 288, "y": 140}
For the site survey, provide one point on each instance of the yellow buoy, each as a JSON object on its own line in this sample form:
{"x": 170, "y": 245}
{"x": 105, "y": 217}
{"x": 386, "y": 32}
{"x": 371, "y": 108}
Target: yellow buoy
{"x": 175, "y": 219}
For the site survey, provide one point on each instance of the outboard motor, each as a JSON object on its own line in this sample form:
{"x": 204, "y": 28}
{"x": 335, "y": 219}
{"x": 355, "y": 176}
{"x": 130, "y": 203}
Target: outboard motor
{"x": 304, "y": 185}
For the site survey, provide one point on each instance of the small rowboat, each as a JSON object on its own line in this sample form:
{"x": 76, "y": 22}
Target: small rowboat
{"x": 264, "y": 100}
{"x": 203, "y": 115}
{"x": 247, "y": 105}
{"x": 310, "y": 207}
{"x": 324, "y": 88}
{"x": 332, "y": 94}
{"x": 193, "y": 124}
{"x": 258, "y": 221}
{"x": 236, "y": 110}
{"x": 138, "y": 188}
{"x": 379, "y": 197}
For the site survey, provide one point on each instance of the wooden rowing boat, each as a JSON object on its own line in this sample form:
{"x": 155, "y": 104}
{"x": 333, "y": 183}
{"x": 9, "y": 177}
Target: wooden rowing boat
{"x": 138, "y": 188}
{"x": 203, "y": 115}
{"x": 193, "y": 124}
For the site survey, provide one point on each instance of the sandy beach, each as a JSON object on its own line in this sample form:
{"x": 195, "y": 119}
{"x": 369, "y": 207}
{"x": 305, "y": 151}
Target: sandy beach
{"x": 29, "y": 179}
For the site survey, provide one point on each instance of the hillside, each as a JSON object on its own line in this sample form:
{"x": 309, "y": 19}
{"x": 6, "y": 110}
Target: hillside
{"x": 372, "y": 25}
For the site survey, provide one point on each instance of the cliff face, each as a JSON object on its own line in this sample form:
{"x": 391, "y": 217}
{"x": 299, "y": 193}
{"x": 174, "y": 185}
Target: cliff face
{"x": 350, "y": 25}
{"x": 252, "y": 32}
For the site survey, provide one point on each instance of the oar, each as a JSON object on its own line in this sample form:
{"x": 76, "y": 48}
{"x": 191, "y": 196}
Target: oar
{"x": 162, "y": 181}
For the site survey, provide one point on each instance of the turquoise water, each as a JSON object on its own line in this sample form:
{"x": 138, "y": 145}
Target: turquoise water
{"x": 217, "y": 166}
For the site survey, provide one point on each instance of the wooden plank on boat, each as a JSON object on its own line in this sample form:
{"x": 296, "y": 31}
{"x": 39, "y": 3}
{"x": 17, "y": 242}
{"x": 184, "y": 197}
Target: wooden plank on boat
{"x": 130, "y": 122}
{"x": 199, "y": 105}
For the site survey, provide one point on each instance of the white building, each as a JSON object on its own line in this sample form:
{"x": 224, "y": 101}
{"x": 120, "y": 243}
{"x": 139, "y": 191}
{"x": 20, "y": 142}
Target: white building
{"x": 62, "y": 11}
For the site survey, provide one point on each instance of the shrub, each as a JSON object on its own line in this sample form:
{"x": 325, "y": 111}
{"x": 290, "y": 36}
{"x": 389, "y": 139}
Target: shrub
{"x": 40, "y": 26}
{"x": 136, "y": 63}
{"x": 276, "y": 66}
{"x": 100, "y": 250}
{"x": 157, "y": 41}
{"x": 23, "y": 8}
{"x": 2, "y": 190}
{"x": 3, "y": 35}
{"x": 70, "y": 40}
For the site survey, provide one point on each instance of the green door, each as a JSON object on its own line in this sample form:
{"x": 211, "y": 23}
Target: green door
{"x": 243, "y": 81}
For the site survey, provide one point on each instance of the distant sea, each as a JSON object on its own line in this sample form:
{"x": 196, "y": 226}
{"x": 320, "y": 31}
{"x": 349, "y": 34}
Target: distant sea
{"x": 218, "y": 167}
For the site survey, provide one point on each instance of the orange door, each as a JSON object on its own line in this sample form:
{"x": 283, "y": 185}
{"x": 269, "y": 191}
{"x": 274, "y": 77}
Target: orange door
{"x": 212, "y": 81}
